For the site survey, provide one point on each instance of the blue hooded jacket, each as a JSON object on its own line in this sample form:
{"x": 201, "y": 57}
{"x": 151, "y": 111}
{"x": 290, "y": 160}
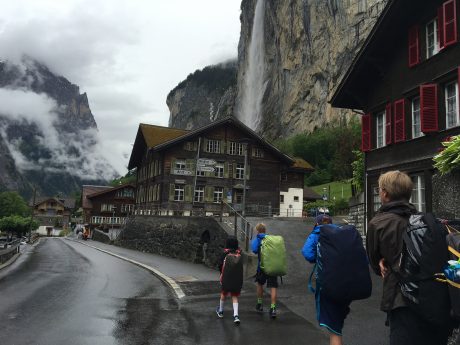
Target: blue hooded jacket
{"x": 309, "y": 249}
{"x": 255, "y": 247}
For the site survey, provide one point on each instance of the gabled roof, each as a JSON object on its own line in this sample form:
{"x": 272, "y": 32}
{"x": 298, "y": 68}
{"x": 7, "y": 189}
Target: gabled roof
{"x": 227, "y": 121}
{"x": 66, "y": 202}
{"x": 104, "y": 191}
{"x": 310, "y": 194}
{"x": 300, "y": 163}
{"x": 88, "y": 190}
{"x": 368, "y": 64}
{"x": 149, "y": 136}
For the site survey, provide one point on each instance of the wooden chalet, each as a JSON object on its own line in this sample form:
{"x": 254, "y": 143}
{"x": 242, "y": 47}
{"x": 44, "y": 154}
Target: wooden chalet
{"x": 53, "y": 211}
{"x": 190, "y": 172}
{"x": 107, "y": 207}
{"x": 404, "y": 83}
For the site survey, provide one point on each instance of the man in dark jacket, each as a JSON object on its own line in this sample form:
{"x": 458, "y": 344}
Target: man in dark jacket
{"x": 384, "y": 246}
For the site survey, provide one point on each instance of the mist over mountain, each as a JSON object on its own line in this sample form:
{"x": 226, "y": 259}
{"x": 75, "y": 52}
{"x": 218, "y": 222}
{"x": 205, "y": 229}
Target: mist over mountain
{"x": 48, "y": 135}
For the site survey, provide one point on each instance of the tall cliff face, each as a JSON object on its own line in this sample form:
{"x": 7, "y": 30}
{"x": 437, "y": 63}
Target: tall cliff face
{"x": 48, "y": 135}
{"x": 309, "y": 45}
{"x": 205, "y": 96}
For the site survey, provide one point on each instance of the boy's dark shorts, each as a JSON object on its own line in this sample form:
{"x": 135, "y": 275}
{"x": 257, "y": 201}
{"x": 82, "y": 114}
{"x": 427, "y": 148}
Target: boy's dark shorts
{"x": 261, "y": 278}
{"x": 331, "y": 314}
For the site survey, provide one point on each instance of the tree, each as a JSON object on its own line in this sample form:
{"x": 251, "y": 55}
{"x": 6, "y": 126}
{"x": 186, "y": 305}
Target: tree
{"x": 11, "y": 203}
{"x": 358, "y": 171}
{"x": 130, "y": 177}
{"x": 17, "y": 224}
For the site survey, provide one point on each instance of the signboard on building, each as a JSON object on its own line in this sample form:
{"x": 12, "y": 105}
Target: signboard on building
{"x": 182, "y": 172}
{"x": 206, "y": 161}
{"x": 205, "y": 168}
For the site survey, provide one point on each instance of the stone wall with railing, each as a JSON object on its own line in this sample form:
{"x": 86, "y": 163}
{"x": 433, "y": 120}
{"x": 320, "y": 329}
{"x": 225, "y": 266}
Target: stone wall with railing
{"x": 195, "y": 239}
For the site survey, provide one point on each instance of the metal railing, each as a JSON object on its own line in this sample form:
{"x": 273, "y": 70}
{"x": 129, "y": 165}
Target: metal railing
{"x": 9, "y": 250}
{"x": 244, "y": 229}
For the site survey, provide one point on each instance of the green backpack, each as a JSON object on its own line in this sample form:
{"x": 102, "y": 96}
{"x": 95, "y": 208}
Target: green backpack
{"x": 273, "y": 256}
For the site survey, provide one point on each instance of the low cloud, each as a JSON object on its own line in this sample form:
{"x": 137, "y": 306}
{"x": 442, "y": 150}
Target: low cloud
{"x": 76, "y": 153}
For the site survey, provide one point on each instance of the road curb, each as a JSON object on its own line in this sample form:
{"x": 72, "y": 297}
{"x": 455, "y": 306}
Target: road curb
{"x": 168, "y": 280}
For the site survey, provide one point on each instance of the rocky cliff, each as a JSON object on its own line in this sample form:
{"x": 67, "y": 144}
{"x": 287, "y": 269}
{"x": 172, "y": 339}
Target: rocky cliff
{"x": 48, "y": 135}
{"x": 307, "y": 47}
{"x": 206, "y": 95}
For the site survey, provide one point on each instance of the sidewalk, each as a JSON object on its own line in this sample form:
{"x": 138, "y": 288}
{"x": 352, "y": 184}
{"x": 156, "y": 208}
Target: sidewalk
{"x": 172, "y": 271}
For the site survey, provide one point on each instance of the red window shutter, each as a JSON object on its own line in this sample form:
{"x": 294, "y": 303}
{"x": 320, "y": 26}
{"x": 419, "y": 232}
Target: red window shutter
{"x": 440, "y": 26}
{"x": 388, "y": 124}
{"x": 450, "y": 22}
{"x": 414, "y": 51}
{"x": 399, "y": 120}
{"x": 429, "y": 107}
{"x": 366, "y": 133}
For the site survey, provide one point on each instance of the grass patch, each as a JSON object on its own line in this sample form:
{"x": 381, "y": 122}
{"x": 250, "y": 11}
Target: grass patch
{"x": 338, "y": 190}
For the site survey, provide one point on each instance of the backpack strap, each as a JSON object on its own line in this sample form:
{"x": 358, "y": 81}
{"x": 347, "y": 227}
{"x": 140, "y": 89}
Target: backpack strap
{"x": 310, "y": 280}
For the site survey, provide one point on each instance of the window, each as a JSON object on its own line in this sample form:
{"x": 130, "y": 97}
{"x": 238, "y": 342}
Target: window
{"x": 199, "y": 194}
{"x": 106, "y": 207}
{"x": 190, "y": 146}
{"x": 200, "y": 173}
{"x": 432, "y": 46}
{"x": 376, "y": 198}
{"x": 218, "y": 193}
{"x": 180, "y": 165}
{"x": 418, "y": 193}
{"x": 281, "y": 199}
{"x": 451, "y": 91}
{"x": 127, "y": 208}
{"x": 416, "y": 127}
{"x": 380, "y": 128}
{"x": 213, "y": 146}
{"x": 296, "y": 199}
{"x": 219, "y": 170}
{"x": 179, "y": 192}
{"x": 258, "y": 153}
{"x": 240, "y": 171}
{"x": 236, "y": 148}
{"x": 125, "y": 193}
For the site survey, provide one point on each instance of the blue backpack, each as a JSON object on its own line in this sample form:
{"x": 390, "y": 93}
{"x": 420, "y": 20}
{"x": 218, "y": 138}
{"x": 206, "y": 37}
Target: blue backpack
{"x": 342, "y": 268}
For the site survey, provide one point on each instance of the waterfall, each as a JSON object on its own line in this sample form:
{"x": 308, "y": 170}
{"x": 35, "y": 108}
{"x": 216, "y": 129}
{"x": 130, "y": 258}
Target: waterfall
{"x": 253, "y": 86}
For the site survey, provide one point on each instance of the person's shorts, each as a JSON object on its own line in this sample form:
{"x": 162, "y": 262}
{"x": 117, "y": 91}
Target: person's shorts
{"x": 262, "y": 278}
{"x": 331, "y": 314}
{"x": 233, "y": 294}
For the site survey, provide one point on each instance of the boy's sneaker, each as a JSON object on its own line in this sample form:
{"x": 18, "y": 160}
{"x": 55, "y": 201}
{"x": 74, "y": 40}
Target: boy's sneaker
{"x": 272, "y": 312}
{"x": 259, "y": 307}
{"x": 236, "y": 320}
{"x": 220, "y": 313}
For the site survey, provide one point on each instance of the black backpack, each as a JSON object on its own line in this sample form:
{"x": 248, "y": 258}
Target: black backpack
{"x": 231, "y": 277}
{"x": 342, "y": 268}
{"x": 425, "y": 255}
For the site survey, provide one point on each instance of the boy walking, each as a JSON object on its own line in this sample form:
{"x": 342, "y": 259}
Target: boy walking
{"x": 330, "y": 314}
{"x": 262, "y": 278}
{"x": 384, "y": 247}
{"x": 231, "y": 268}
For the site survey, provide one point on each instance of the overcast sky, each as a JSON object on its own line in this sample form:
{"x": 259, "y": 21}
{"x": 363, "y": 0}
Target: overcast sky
{"x": 126, "y": 55}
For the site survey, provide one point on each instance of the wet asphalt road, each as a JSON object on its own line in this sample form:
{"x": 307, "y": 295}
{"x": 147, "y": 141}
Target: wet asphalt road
{"x": 61, "y": 292}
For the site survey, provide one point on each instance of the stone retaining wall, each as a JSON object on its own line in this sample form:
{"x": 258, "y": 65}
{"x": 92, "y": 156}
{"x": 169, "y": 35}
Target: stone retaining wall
{"x": 194, "y": 239}
{"x": 446, "y": 195}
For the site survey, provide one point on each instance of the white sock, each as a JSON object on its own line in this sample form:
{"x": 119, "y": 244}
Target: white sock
{"x": 235, "y": 309}
{"x": 221, "y": 305}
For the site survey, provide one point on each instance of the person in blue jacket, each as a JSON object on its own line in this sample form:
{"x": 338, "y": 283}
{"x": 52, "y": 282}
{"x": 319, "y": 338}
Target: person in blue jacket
{"x": 330, "y": 314}
{"x": 262, "y": 278}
